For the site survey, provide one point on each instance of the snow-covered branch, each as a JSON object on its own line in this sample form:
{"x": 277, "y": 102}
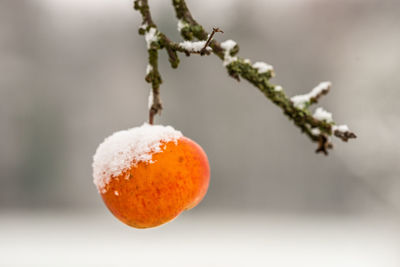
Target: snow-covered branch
{"x": 155, "y": 41}
{"x": 318, "y": 126}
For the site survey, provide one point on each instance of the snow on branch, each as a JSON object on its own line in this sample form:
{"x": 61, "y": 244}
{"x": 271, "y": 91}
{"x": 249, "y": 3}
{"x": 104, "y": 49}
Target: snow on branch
{"x": 302, "y": 101}
{"x": 323, "y": 115}
{"x": 228, "y": 47}
{"x": 318, "y": 126}
{"x": 263, "y": 67}
{"x": 194, "y": 47}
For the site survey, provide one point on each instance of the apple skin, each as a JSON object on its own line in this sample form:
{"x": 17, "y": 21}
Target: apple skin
{"x": 149, "y": 194}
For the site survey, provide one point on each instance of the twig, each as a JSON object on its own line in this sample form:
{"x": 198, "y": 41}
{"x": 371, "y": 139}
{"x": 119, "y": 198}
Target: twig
{"x": 345, "y": 136}
{"x": 214, "y": 30}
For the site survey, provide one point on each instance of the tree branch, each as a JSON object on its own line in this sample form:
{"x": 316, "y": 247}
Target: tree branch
{"x": 156, "y": 40}
{"x": 319, "y": 127}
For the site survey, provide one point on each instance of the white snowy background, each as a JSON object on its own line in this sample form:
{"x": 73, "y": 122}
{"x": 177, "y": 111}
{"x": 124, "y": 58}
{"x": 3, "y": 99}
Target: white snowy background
{"x": 72, "y": 72}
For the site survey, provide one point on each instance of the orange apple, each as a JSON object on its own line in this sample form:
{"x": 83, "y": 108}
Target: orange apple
{"x": 164, "y": 175}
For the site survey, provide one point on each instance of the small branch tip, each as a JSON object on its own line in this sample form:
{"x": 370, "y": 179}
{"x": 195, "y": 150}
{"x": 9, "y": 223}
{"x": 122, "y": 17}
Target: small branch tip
{"x": 210, "y": 37}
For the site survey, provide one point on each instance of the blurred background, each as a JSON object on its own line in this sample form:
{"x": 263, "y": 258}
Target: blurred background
{"x": 72, "y": 73}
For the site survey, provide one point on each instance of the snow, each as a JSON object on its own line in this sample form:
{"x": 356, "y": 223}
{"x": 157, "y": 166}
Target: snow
{"x": 194, "y": 46}
{"x": 127, "y": 148}
{"x": 299, "y": 101}
{"x": 149, "y": 68}
{"x": 151, "y": 98}
{"x": 278, "y": 88}
{"x": 228, "y": 45}
{"x": 341, "y": 128}
{"x": 323, "y": 86}
{"x": 151, "y": 36}
{"x": 315, "y": 131}
{"x": 143, "y": 26}
{"x": 323, "y": 115}
{"x": 181, "y": 25}
{"x": 247, "y": 61}
{"x": 263, "y": 67}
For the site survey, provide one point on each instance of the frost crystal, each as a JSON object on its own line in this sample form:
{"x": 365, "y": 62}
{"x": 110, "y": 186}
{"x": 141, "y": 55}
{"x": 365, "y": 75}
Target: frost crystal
{"x": 299, "y": 101}
{"x": 323, "y": 115}
{"x": 151, "y": 36}
{"x": 228, "y": 45}
{"x": 123, "y": 149}
{"x": 263, "y": 67}
{"x": 194, "y": 46}
{"x": 278, "y": 88}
